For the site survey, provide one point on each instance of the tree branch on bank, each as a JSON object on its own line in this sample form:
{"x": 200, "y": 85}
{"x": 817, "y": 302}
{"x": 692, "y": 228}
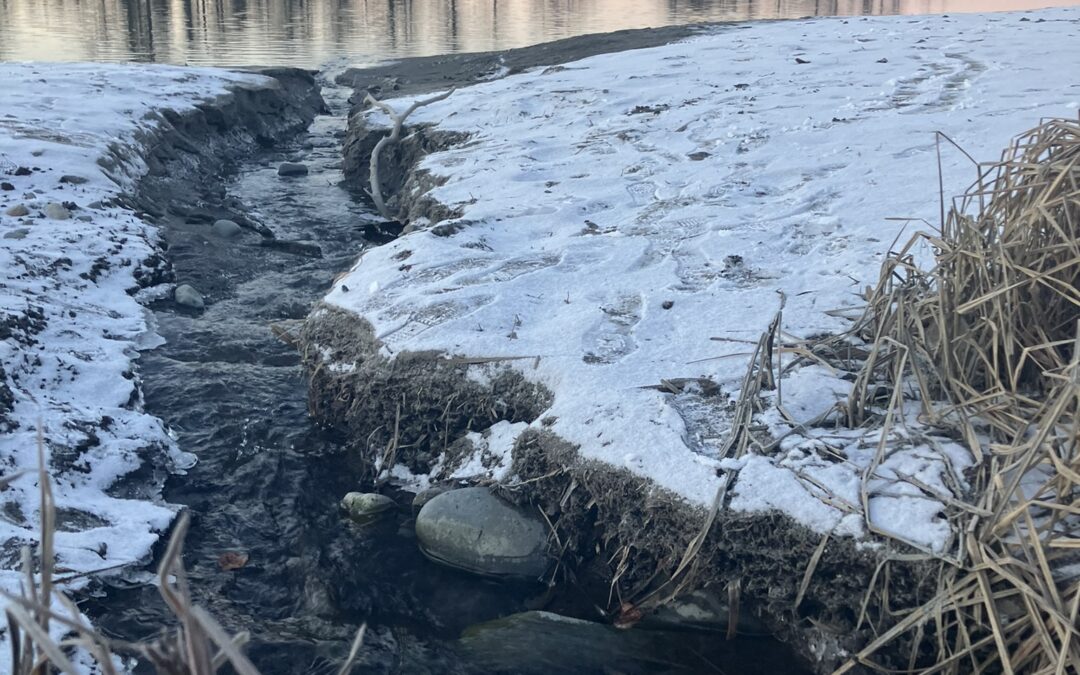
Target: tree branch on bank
{"x": 375, "y": 191}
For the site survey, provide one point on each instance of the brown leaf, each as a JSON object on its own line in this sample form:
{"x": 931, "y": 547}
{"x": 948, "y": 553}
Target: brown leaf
{"x": 232, "y": 560}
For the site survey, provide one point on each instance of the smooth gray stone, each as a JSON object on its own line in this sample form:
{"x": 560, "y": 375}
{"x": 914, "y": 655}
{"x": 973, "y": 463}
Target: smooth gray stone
{"x": 56, "y": 211}
{"x": 73, "y": 180}
{"x": 366, "y": 507}
{"x": 425, "y": 496}
{"x": 17, "y": 211}
{"x": 292, "y": 169}
{"x": 226, "y": 228}
{"x": 189, "y": 297}
{"x": 473, "y": 530}
{"x": 17, "y": 234}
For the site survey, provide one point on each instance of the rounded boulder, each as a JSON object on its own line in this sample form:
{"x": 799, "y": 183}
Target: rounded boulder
{"x": 473, "y": 530}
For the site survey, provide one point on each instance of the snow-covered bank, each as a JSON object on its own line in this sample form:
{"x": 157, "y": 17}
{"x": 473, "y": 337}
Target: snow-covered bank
{"x": 76, "y": 264}
{"x": 621, "y": 212}
{"x": 625, "y": 223}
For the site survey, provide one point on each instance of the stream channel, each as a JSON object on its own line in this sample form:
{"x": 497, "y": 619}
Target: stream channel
{"x": 268, "y": 481}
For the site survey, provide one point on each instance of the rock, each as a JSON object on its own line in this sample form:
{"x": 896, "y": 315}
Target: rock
{"x": 226, "y": 228}
{"x": 703, "y": 611}
{"x": 538, "y": 643}
{"x": 56, "y": 211}
{"x": 73, "y": 180}
{"x": 366, "y": 507}
{"x": 17, "y": 234}
{"x": 473, "y": 530}
{"x": 698, "y": 156}
{"x": 22, "y": 171}
{"x": 425, "y": 496}
{"x": 17, "y": 211}
{"x": 189, "y": 297}
{"x": 7, "y": 187}
{"x": 85, "y": 218}
{"x": 292, "y": 169}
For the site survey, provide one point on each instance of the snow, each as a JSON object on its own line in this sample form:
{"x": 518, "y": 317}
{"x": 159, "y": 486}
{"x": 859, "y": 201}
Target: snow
{"x": 73, "y": 373}
{"x": 621, "y": 211}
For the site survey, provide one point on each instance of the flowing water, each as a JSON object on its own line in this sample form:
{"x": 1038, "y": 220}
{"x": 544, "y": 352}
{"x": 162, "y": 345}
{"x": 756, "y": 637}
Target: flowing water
{"x": 312, "y": 33}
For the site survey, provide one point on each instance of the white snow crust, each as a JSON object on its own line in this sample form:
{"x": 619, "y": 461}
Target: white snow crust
{"x": 620, "y": 211}
{"x": 75, "y": 376}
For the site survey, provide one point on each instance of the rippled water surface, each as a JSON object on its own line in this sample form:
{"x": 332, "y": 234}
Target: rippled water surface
{"x": 312, "y": 33}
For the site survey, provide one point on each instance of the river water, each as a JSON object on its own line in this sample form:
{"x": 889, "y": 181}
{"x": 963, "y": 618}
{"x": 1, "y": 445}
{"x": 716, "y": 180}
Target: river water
{"x": 313, "y": 33}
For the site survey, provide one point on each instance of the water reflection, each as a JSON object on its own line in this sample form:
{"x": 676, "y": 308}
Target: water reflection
{"x": 315, "y": 32}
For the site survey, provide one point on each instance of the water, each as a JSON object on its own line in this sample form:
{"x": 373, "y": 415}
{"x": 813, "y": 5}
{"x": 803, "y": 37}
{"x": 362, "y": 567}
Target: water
{"x": 312, "y": 33}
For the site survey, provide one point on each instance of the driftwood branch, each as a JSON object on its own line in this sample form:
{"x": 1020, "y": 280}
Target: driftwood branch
{"x": 375, "y": 192}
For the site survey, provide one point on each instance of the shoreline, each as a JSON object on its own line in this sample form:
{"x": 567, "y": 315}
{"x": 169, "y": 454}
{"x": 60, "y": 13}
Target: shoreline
{"x": 408, "y": 327}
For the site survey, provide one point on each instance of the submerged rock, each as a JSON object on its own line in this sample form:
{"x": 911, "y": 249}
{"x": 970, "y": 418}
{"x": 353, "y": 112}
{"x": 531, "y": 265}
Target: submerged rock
{"x": 542, "y": 642}
{"x": 17, "y": 211}
{"x": 226, "y": 228}
{"x": 425, "y": 496}
{"x": 292, "y": 169}
{"x": 366, "y": 507}
{"x": 189, "y": 297}
{"x": 473, "y": 530}
{"x": 704, "y": 611}
{"x": 57, "y": 211}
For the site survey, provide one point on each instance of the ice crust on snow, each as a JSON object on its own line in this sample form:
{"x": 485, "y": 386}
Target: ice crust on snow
{"x": 622, "y": 210}
{"x": 72, "y": 282}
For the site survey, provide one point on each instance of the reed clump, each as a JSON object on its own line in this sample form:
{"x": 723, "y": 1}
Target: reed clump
{"x": 986, "y": 340}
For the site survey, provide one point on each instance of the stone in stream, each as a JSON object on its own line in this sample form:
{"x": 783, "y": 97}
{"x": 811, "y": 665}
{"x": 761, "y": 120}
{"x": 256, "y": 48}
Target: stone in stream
{"x": 17, "y": 211}
{"x": 541, "y": 642}
{"x": 56, "y": 211}
{"x": 473, "y": 530}
{"x": 292, "y": 169}
{"x": 226, "y": 228}
{"x": 366, "y": 507}
{"x": 188, "y": 297}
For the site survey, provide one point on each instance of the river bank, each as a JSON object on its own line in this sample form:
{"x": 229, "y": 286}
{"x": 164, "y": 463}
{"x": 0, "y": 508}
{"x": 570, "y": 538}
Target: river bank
{"x": 592, "y": 248}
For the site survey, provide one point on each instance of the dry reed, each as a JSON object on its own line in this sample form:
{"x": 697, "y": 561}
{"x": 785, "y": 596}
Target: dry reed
{"x": 987, "y": 340}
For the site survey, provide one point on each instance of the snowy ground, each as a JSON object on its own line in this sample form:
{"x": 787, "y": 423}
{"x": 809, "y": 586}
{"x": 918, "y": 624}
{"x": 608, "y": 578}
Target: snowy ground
{"x": 622, "y": 211}
{"x": 70, "y": 318}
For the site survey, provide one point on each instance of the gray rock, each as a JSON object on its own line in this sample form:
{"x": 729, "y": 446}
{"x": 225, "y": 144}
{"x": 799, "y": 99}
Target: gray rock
{"x": 473, "y": 530}
{"x": 17, "y": 234}
{"x": 704, "y": 611}
{"x": 292, "y": 169}
{"x": 226, "y": 228}
{"x": 17, "y": 211}
{"x": 85, "y": 218}
{"x": 56, "y": 211}
{"x": 366, "y": 507}
{"x": 538, "y": 643}
{"x": 425, "y": 496}
{"x": 189, "y": 297}
{"x": 73, "y": 180}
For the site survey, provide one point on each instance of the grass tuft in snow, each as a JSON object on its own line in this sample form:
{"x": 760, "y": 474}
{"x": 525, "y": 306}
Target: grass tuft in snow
{"x": 991, "y": 330}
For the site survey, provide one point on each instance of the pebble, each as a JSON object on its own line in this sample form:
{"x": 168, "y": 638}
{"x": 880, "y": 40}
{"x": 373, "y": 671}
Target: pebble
{"x": 73, "y": 180}
{"x": 56, "y": 211}
{"x": 366, "y": 507}
{"x": 292, "y": 169}
{"x": 7, "y": 187}
{"x": 17, "y": 211}
{"x": 473, "y": 530}
{"x": 189, "y": 297}
{"x": 226, "y": 228}
{"x": 17, "y": 234}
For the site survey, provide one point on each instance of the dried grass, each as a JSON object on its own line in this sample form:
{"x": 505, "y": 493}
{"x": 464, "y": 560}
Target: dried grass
{"x": 987, "y": 339}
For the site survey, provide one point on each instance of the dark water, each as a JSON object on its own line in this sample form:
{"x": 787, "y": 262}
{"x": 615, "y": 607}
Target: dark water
{"x": 312, "y": 33}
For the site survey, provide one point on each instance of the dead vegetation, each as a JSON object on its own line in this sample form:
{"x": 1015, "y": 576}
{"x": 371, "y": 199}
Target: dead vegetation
{"x": 984, "y": 341}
